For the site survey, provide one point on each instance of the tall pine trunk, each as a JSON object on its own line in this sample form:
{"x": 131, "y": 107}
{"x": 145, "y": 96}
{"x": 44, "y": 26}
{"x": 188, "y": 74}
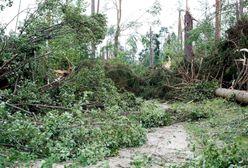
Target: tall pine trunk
{"x": 180, "y": 32}
{"x": 241, "y": 8}
{"x": 93, "y": 11}
{"x": 218, "y": 20}
{"x": 98, "y": 6}
{"x": 118, "y": 6}
{"x": 151, "y": 48}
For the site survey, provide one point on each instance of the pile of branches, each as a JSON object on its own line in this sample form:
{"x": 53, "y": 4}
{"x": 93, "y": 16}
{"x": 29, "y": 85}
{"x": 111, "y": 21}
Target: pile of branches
{"x": 229, "y": 64}
{"x": 18, "y": 52}
{"x": 157, "y": 82}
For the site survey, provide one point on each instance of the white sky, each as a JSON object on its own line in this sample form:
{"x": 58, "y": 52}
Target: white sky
{"x": 132, "y": 9}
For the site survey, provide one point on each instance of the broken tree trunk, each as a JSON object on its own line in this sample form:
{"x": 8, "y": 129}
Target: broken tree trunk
{"x": 240, "y": 96}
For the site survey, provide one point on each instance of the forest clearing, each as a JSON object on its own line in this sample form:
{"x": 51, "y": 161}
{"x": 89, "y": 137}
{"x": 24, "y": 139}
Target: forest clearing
{"x": 88, "y": 83}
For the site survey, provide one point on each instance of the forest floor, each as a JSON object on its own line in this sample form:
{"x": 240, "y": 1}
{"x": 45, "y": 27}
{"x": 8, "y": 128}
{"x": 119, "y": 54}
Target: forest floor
{"x": 165, "y": 146}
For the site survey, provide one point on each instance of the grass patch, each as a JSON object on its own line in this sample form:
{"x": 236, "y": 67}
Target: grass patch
{"x": 222, "y": 135}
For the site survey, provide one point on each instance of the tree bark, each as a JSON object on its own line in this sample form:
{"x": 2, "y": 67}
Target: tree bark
{"x": 118, "y": 6}
{"x": 241, "y": 8}
{"x": 98, "y": 6}
{"x": 237, "y": 10}
{"x": 218, "y": 20}
{"x": 18, "y": 14}
{"x": 188, "y": 49}
{"x": 151, "y": 48}
{"x": 240, "y": 96}
{"x": 93, "y": 11}
{"x": 180, "y": 32}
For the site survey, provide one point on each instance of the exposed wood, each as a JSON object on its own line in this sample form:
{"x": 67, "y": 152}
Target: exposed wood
{"x": 240, "y": 96}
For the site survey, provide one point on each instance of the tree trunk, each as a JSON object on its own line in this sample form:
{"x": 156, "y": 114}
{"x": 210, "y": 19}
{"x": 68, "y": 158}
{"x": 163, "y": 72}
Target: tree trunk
{"x": 98, "y": 6}
{"x": 93, "y": 11}
{"x": 180, "y": 32}
{"x": 241, "y": 8}
{"x": 238, "y": 95}
{"x": 218, "y": 20}
{"x": 18, "y": 14}
{"x": 118, "y": 28}
{"x": 151, "y": 48}
{"x": 188, "y": 49}
{"x": 187, "y": 5}
{"x": 237, "y": 10}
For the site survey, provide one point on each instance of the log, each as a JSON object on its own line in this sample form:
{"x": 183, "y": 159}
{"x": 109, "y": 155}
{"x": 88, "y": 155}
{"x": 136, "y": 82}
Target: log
{"x": 240, "y": 96}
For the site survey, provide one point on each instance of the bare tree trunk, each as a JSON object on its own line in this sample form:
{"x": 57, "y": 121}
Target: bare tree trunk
{"x": 151, "y": 48}
{"x": 118, "y": 28}
{"x": 237, "y": 10}
{"x": 98, "y": 6}
{"x": 93, "y": 11}
{"x": 17, "y": 18}
{"x": 218, "y": 20}
{"x": 238, "y": 95}
{"x": 180, "y": 32}
{"x": 241, "y": 8}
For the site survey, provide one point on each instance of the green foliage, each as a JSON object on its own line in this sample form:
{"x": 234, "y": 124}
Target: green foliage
{"x": 141, "y": 161}
{"x": 27, "y": 95}
{"x": 192, "y": 112}
{"x": 5, "y": 3}
{"x": 88, "y": 137}
{"x": 200, "y": 91}
{"x": 221, "y": 136}
{"x": 214, "y": 157}
{"x": 91, "y": 85}
{"x": 89, "y": 29}
{"x": 152, "y": 115}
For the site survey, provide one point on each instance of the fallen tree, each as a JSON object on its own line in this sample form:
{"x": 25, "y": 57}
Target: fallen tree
{"x": 238, "y": 95}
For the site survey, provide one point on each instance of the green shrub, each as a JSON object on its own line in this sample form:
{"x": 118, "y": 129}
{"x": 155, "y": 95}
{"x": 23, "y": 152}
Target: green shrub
{"x": 151, "y": 115}
{"x": 193, "y": 111}
{"x": 200, "y": 91}
{"x": 214, "y": 157}
{"x": 141, "y": 161}
{"x": 62, "y": 136}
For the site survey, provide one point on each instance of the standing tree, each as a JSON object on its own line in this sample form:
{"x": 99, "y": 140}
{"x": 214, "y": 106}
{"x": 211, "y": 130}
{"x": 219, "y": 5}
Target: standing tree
{"x": 93, "y": 12}
{"x": 98, "y": 6}
{"x": 217, "y": 20}
{"x": 18, "y": 14}
{"x": 118, "y": 7}
{"x": 180, "y": 31}
{"x": 239, "y": 9}
{"x": 188, "y": 26}
{"x": 151, "y": 48}
{"x": 188, "y": 47}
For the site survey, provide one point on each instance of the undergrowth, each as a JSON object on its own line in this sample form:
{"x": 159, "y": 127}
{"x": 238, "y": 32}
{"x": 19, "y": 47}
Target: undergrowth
{"x": 221, "y": 134}
{"x": 84, "y": 120}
